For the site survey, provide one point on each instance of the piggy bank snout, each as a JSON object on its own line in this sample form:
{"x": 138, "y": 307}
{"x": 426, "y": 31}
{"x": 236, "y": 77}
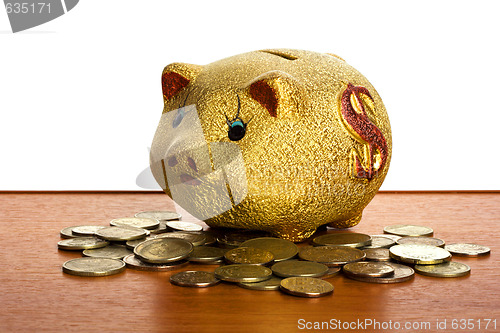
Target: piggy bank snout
{"x": 188, "y": 161}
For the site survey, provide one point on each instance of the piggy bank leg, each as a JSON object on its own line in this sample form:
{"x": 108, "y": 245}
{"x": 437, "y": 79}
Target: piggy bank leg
{"x": 346, "y": 223}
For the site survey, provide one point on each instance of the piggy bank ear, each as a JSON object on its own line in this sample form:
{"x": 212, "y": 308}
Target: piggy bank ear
{"x": 176, "y": 77}
{"x": 278, "y": 92}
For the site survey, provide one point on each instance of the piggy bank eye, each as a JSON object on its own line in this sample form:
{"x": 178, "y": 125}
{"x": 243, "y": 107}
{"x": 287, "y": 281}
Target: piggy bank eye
{"x": 181, "y": 112}
{"x": 236, "y": 131}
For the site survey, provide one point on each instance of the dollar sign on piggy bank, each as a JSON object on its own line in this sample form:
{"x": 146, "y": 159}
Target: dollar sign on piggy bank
{"x": 279, "y": 140}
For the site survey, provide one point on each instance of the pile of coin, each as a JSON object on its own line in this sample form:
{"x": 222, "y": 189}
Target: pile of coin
{"x": 156, "y": 241}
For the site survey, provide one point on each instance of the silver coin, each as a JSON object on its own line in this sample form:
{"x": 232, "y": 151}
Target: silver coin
{"x": 408, "y": 230}
{"x": 447, "y": 269}
{"x": 272, "y": 284}
{"x": 419, "y": 254}
{"x": 136, "y": 222}
{"x": 163, "y": 250}
{"x": 86, "y": 230}
{"x": 68, "y": 232}
{"x": 88, "y": 266}
{"x": 135, "y": 263}
{"x": 379, "y": 242}
{"x": 421, "y": 240}
{"x": 381, "y": 254}
{"x": 160, "y": 215}
{"x": 121, "y": 234}
{"x": 81, "y": 243}
{"x": 110, "y": 251}
{"x": 393, "y": 237}
{"x": 184, "y": 226}
{"x": 162, "y": 228}
{"x": 197, "y": 239}
{"x": 131, "y": 244}
{"x": 467, "y": 250}
{"x": 402, "y": 273}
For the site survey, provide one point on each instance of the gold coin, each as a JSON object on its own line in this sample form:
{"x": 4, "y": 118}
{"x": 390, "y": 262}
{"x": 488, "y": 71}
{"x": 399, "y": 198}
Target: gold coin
{"x": 131, "y": 244}
{"x": 136, "y": 222}
{"x": 282, "y": 249}
{"x": 379, "y": 242}
{"x": 184, "y": 226}
{"x": 332, "y": 271}
{"x": 121, "y": 234}
{"x": 235, "y": 238}
{"x": 86, "y": 230}
{"x": 306, "y": 287}
{"x": 419, "y": 254}
{"x": 447, "y": 269}
{"x": 421, "y": 240}
{"x": 81, "y": 243}
{"x": 163, "y": 250}
{"x": 243, "y": 273}
{"x": 197, "y": 239}
{"x": 88, "y": 266}
{"x": 368, "y": 269}
{"x": 198, "y": 279}
{"x": 467, "y": 250}
{"x": 214, "y": 262}
{"x": 135, "y": 263}
{"x": 206, "y": 254}
{"x": 68, "y": 232}
{"x": 209, "y": 239}
{"x": 289, "y": 268}
{"x": 331, "y": 255}
{"x": 408, "y": 230}
{"x": 160, "y": 215}
{"x": 248, "y": 255}
{"x": 377, "y": 254}
{"x": 272, "y": 284}
{"x": 349, "y": 239}
{"x": 110, "y": 251}
{"x": 402, "y": 273}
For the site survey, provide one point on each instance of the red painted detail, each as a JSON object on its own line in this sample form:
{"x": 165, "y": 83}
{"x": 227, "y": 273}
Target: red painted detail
{"x": 172, "y": 83}
{"x": 187, "y": 179}
{"x": 172, "y": 161}
{"x": 265, "y": 95}
{"x": 192, "y": 164}
{"x": 365, "y": 128}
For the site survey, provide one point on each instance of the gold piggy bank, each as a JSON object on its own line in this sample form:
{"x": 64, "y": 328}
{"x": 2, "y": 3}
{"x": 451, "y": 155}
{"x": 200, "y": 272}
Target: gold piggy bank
{"x": 280, "y": 140}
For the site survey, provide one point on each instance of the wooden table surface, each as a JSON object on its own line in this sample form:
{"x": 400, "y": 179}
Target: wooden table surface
{"x": 36, "y": 296}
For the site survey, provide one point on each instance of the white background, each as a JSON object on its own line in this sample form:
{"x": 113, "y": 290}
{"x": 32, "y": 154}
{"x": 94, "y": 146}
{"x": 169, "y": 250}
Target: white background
{"x": 80, "y": 96}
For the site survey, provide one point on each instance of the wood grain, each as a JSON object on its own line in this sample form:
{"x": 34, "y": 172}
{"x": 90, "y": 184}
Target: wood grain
{"x": 37, "y": 296}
